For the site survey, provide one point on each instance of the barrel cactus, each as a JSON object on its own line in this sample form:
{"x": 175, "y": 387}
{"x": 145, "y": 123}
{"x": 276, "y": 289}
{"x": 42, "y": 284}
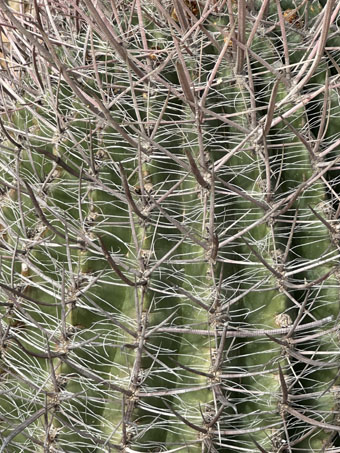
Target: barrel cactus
{"x": 169, "y": 226}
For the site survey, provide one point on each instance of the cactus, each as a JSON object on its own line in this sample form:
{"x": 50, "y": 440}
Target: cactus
{"x": 169, "y": 241}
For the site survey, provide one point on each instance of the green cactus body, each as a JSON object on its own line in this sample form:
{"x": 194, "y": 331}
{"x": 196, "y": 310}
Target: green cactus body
{"x": 309, "y": 245}
{"x": 168, "y": 227}
{"x": 32, "y": 287}
{"x": 258, "y": 397}
{"x": 196, "y": 352}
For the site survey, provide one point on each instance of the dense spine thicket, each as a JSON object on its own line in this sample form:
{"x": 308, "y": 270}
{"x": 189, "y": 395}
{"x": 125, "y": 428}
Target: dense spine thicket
{"x": 169, "y": 261}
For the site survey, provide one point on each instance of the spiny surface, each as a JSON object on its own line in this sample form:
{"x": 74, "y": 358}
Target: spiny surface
{"x": 169, "y": 226}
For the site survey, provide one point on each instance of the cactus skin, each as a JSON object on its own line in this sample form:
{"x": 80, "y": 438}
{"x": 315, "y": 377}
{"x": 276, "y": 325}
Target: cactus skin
{"x": 169, "y": 246}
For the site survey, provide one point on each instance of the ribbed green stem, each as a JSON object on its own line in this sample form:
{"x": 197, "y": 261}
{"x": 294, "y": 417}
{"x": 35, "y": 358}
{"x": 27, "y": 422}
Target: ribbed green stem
{"x": 167, "y": 236}
{"x": 258, "y": 397}
{"x": 320, "y": 292}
